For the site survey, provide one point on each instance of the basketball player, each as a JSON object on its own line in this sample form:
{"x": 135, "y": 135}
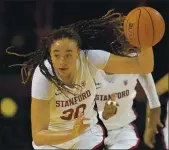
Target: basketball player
{"x": 63, "y": 89}
{"x": 162, "y": 87}
{"x": 121, "y": 89}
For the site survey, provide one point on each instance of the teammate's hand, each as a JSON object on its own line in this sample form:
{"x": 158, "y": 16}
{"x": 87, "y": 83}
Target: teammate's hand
{"x": 149, "y": 137}
{"x": 110, "y": 108}
{"x": 81, "y": 124}
{"x": 152, "y": 125}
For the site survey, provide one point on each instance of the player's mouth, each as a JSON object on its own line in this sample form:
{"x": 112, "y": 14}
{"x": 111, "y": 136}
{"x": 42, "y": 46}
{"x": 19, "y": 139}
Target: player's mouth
{"x": 63, "y": 69}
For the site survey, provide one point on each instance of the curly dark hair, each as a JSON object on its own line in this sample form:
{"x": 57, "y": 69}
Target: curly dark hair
{"x": 103, "y": 33}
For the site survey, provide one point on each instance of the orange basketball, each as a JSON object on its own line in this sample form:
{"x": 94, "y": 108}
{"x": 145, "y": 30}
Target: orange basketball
{"x": 144, "y": 27}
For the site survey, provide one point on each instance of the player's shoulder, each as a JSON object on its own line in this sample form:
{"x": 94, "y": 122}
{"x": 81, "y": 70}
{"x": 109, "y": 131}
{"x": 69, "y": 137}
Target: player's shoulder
{"x": 38, "y": 77}
{"x": 47, "y": 65}
{"x": 98, "y": 58}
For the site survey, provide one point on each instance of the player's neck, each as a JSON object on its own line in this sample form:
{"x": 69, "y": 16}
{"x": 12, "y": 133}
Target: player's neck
{"x": 70, "y": 79}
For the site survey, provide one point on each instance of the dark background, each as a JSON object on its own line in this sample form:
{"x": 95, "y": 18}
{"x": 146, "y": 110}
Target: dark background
{"x": 27, "y": 21}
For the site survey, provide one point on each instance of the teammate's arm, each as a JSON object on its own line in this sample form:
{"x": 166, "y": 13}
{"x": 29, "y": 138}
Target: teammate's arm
{"x": 40, "y": 121}
{"x": 153, "y": 110}
{"x": 142, "y": 64}
{"x": 161, "y": 87}
{"x": 148, "y": 85}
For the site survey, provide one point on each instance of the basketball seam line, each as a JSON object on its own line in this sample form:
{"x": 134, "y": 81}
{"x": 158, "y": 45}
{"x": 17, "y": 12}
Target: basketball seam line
{"x": 138, "y": 28}
{"x": 129, "y": 18}
{"x": 152, "y": 24}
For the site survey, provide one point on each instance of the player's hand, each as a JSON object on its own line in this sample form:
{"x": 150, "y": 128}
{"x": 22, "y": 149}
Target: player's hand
{"x": 152, "y": 125}
{"x": 81, "y": 124}
{"x": 110, "y": 108}
{"x": 149, "y": 137}
{"x": 154, "y": 119}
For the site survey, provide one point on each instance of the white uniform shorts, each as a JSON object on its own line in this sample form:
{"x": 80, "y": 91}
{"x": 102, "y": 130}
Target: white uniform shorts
{"x": 93, "y": 138}
{"x": 123, "y": 138}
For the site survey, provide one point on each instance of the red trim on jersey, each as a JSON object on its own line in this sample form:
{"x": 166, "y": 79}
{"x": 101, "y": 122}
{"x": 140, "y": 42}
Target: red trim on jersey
{"x": 138, "y": 142}
{"x": 102, "y": 142}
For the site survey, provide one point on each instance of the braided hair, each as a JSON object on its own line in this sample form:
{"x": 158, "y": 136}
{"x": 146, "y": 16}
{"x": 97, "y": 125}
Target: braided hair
{"x": 103, "y": 33}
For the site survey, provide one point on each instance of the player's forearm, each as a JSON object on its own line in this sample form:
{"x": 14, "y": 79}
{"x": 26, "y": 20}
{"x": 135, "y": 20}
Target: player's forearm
{"x": 147, "y": 114}
{"x": 47, "y": 137}
{"x": 142, "y": 64}
{"x": 152, "y": 115}
{"x": 146, "y": 60}
{"x": 148, "y": 85}
{"x": 162, "y": 85}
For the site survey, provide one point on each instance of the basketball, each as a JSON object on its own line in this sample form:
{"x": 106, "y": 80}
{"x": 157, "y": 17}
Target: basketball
{"x": 144, "y": 27}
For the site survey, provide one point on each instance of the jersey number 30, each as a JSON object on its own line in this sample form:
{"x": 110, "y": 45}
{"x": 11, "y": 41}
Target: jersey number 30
{"x": 73, "y": 113}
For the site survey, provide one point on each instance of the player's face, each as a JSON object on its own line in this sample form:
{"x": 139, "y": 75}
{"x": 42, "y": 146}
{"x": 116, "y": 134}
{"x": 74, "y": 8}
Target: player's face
{"x": 64, "y": 54}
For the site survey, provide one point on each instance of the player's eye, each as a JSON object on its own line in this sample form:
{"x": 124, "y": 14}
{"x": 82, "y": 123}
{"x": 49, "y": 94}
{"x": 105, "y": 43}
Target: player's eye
{"x": 57, "y": 56}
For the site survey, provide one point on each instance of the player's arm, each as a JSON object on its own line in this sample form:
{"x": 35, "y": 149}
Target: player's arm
{"x": 110, "y": 63}
{"x": 40, "y": 121}
{"x": 161, "y": 88}
{"x": 153, "y": 110}
{"x": 162, "y": 85}
{"x": 148, "y": 85}
{"x": 142, "y": 64}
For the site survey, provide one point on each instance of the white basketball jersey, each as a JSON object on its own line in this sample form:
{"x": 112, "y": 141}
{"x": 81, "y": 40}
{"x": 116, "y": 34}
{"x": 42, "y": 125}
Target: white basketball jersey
{"x": 123, "y": 87}
{"x": 64, "y": 110}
